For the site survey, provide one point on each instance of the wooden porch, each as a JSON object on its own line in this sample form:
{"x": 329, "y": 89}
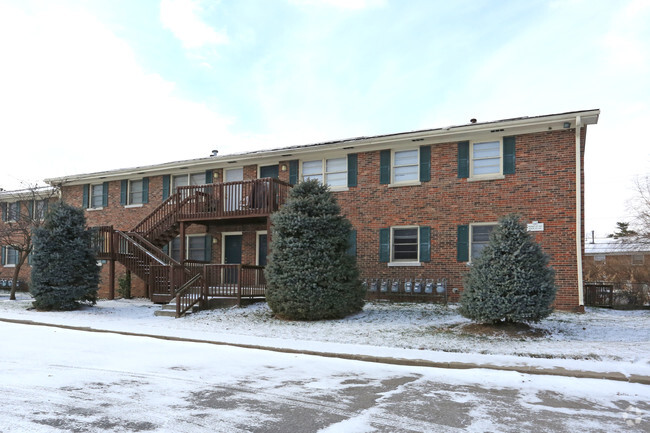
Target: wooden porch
{"x": 189, "y": 282}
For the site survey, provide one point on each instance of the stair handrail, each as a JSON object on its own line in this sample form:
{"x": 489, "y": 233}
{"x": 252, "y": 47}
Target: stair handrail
{"x": 153, "y": 248}
{"x": 181, "y": 291}
{"x": 168, "y": 201}
{"x": 140, "y": 247}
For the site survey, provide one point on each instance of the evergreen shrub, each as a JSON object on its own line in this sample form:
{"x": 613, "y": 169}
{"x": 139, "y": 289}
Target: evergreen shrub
{"x": 64, "y": 268}
{"x": 511, "y": 280}
{"x": 310, "y": 275}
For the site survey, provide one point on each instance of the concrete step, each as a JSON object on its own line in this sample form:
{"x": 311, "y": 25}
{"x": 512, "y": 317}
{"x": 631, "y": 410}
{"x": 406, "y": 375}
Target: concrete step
{"x": 169, "y": 310}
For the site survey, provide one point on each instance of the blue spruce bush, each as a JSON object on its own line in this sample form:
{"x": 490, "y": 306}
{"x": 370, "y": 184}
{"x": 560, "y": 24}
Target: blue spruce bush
{"x": 511, "y": 280}
{"x": 64, "y": 268}
{"x": 309, "y": 274}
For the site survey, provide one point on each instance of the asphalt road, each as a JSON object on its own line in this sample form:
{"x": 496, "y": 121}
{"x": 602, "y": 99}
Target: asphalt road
{"x": 56, "y": 380}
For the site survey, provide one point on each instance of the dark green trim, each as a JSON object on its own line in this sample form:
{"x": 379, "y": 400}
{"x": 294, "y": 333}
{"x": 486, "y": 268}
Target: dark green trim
{"x": 508, "y": 155}
{"x": 166, "y": 183}
{"x": 2, "y": 256}
{"x": 384, "y": 245}
{"x": 425, "y": 163}
{"x": 124, "y": 188}
{"x": 105, "y": 194}
{"x": 462, "y": 243}
{"x": 145, "y": 190}
{"x": 425, "y": 244}
{"x": 208, "y": 176}
{"x": 85, "y": 201}
{"x": 463, "y": 159}
{"x": 384, "y": 167}
{"x": 352, "y": 169}
{"x": 293, "y": 172}
{"x": 30, "y": 209}
{"x": 352, "y": 243}
{"x": 4, "y": 211}
{"x": 208, "y": 248}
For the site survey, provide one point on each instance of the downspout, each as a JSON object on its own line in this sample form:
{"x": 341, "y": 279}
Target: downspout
{"x": 581, "y": 302}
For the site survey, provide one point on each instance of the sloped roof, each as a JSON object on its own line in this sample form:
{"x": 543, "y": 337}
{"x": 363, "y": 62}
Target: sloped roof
{"x": 616, "y": 246}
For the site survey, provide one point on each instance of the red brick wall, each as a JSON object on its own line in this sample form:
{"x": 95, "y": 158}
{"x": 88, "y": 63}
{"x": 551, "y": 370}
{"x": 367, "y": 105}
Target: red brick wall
{"x": 542, "y": 189}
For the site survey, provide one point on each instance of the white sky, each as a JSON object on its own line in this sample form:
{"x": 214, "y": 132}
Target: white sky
{"x": 96, "y": 85}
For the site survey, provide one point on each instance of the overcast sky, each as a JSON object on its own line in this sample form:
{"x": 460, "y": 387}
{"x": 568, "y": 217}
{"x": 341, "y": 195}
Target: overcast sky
{"x": 103, "y": 84}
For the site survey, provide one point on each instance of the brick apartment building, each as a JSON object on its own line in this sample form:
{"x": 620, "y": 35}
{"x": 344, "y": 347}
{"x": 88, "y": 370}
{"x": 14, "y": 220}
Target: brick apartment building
{"x": 422, "y": 203}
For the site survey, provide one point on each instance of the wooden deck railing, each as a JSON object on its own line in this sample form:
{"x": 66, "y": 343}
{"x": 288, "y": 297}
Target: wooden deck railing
{"x": 101, "y": 241}
{"x": 257, "y": 197}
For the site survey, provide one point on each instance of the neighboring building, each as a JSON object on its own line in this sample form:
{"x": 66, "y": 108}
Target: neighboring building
{"x": 422, "y": 203}
{"x": 617, "y": 260}
{"x": 21, "y": 211}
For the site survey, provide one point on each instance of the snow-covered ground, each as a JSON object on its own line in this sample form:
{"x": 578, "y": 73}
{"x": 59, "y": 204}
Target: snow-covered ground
{"x": 600, "y": 340}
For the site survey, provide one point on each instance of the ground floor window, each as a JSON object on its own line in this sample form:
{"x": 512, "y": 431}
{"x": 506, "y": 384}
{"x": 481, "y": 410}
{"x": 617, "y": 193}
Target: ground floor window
{"x": 480, "y": 236}
{"x": 404, "y": 244}
{"x": 10, "y": 256}
{"x": 197, "y": 247}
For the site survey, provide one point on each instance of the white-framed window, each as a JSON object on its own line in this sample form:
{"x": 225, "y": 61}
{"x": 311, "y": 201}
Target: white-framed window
{"x": 485, "y": 158}
{"x": 96, "y": 195}
{"x": 195, "y": 248}
{"x": 600, "y": 258}
{"x": 11, "y": 256}
{"x": 404, "y": 244}
{"x": 188, "y": 180}
{"x": 637, "y": 259}
{"x": 406, "y": 166}
{"x": 136, "y": 189}
{"x": 479, "y": 238}
{"x": 331, "y": 171}
{"x": 40, "y": 208}
{"x": 13, "y": 211}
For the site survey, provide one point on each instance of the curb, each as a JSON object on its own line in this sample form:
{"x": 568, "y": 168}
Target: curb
{"x": 556, "y": 371}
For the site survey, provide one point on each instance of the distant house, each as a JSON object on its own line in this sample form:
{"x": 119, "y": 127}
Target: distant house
{"x": 422, "y": 205}
{"x": 617, "y": 260}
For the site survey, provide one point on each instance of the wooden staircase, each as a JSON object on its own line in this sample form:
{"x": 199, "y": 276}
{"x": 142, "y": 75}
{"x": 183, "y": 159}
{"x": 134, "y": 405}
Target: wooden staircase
{"x": 140, "y": 250}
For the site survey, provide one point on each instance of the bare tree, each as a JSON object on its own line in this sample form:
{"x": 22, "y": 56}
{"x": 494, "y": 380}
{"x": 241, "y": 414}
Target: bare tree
{"x": 641, "y": 209}
{"x": 22, "y": 211}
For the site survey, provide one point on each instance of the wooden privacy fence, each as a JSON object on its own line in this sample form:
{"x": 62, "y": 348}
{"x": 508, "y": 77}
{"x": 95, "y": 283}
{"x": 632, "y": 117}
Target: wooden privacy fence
{"x": 617, "y": 294}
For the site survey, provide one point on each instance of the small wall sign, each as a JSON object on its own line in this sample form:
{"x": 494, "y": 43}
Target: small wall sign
{"x": 535, "y": 226}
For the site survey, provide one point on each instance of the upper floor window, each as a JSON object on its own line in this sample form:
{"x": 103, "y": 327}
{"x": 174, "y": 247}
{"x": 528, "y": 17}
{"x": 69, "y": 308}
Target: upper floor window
{"x": 486, "y": 158}
{"x": 13, "y": 211}
{"x": 332, "y": 172}
{"x": 480, "y": 237}
{"x": 188, "y": 180}
{"x": 40, "y": 209}
{"x": 637, "y": 259}
{"x": 96, "y": 196}
{"x": 406, "y": 166}
{"x": 136, "y": 192}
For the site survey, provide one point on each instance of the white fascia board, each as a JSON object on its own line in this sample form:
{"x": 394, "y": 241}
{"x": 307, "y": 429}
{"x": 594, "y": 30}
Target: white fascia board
{"x": 360, "y": 144}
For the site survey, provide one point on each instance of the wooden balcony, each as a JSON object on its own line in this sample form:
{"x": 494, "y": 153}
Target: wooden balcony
{"x": 248, "y": 198}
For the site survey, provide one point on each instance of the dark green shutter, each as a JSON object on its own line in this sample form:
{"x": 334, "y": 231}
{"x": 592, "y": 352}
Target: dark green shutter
{"x": 462, "y": 243}
{"x": 166, "y": 182}
{"x": 165, "y": 248}
{"x": 86, "y": 194}
{"x": 384, "y": 167}
{"x": 352, "y": 169}
{"x": 425, "y": 163}
{"x": 4, "y": 211}
{"x": 124, "y": 188}
{"x": 208, "y": 248}
{"x": 425, "y": 244}
{"x": 2, "y": 256}
{"x": 208, "y": 176}
{"x": 30, "y": 209}
{"x": 293, "y": 172}
{"x": 105, "y": 194}
{"x": 352, "y": 243}
{"x": 145, "y": 190}
{"x": 463, "y": 159}
{"x": 508, "y": 155}
{"x": 384, "y": 245}
{"x": 18, "y": 211}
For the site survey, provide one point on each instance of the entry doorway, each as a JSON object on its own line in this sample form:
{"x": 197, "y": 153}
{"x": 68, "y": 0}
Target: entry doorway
{"x": 232, "y": 248}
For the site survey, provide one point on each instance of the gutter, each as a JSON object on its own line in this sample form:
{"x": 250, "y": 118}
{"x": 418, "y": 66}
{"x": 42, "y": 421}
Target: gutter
{"x": 581, "y": 301}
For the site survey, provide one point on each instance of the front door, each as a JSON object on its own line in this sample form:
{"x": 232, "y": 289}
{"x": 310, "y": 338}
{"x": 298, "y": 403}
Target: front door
{"x": 233, "y": 192}
{"x": 231, "y": 256}
{"x": 262, "y": 249}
